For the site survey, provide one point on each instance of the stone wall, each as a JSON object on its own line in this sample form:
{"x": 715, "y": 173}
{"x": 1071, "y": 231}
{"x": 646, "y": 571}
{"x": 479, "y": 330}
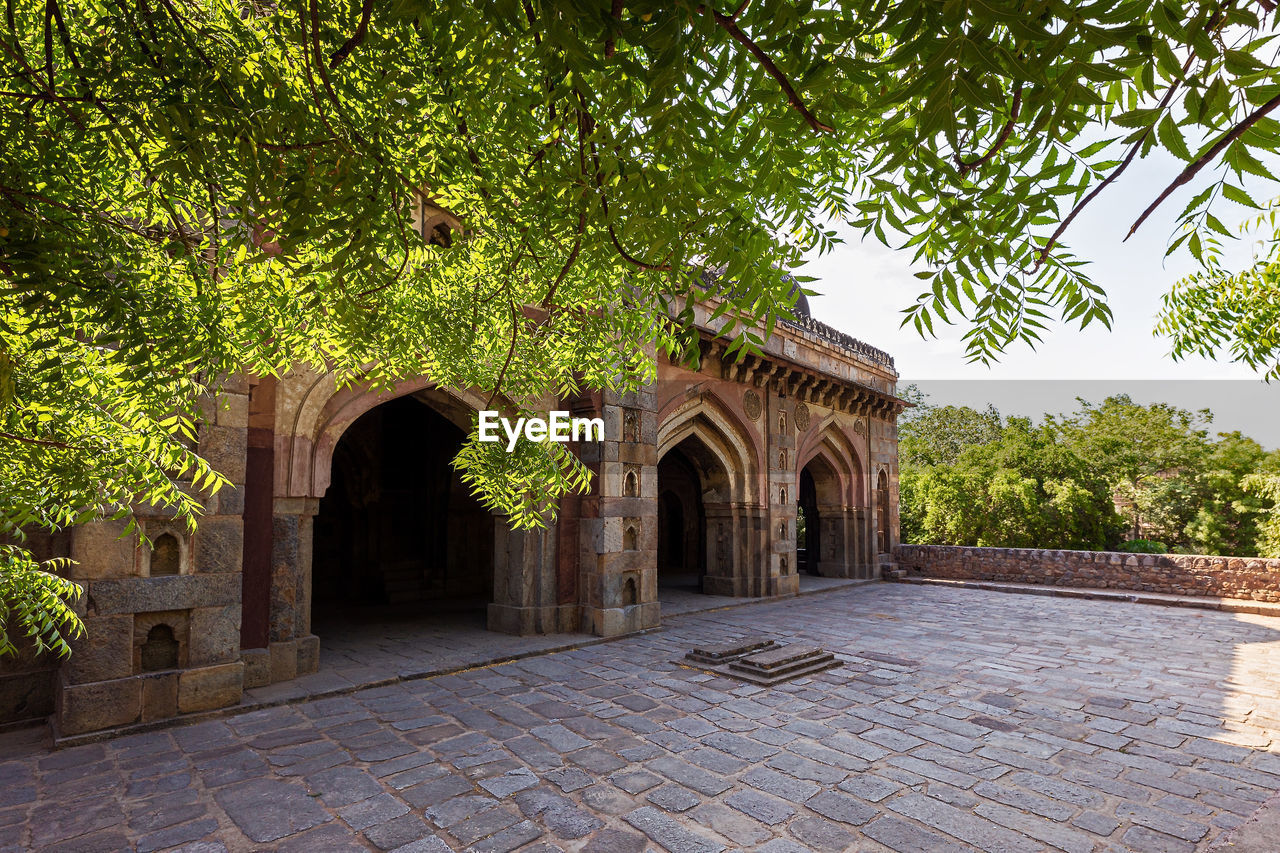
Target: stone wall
{"x": 1179, "y": 574}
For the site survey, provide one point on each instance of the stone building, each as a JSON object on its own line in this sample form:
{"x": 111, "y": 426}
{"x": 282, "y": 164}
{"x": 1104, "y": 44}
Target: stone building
{"x": 344, "y": 503}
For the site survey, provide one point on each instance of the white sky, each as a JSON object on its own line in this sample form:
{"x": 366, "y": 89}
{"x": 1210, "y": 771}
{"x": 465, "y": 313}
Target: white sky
{"x": 865, "y": 286}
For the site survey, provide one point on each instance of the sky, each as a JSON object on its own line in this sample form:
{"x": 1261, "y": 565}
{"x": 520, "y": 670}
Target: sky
{"x": 864, "y": 286}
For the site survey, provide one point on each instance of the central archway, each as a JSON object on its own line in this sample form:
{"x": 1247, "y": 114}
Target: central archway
{"x": 690, "y": 478}
{"x": 397, "y": 532}
{"x": 710, "y": 520}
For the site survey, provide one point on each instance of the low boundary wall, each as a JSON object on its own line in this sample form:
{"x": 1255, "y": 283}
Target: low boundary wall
{"x": 1250, "y": 578}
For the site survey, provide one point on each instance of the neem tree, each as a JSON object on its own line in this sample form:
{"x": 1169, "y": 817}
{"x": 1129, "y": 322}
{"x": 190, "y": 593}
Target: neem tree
{"x": 194, "y": 188}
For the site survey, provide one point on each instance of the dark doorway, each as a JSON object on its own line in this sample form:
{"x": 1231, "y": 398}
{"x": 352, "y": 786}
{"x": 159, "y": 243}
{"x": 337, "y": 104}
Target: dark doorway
{"x": 808, "y": 525}
{"x": 682, "y": 551}
{"x": 882, "y": 513}
{"x": 397, "y": 531}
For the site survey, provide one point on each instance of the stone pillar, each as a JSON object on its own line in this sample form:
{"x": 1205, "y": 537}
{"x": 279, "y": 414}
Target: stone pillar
{"x": 619, "y": 524}
{"x": 865, "y": 542}
{"x": 725, "y": 550}
{"x": 836, "y": 560}
{"x": 292, "y": 649}
{"x": 779, "y": 575}
{"x": 162, "y": 628}
{"x": 524, "y": 581}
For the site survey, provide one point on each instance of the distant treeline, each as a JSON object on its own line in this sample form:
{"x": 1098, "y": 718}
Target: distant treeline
{"x": 1110, "y": 476}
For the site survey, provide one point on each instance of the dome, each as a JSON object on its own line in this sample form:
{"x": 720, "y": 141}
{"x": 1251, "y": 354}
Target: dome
{"x": 709, "y": 275}
{"x": 802, "y": 302}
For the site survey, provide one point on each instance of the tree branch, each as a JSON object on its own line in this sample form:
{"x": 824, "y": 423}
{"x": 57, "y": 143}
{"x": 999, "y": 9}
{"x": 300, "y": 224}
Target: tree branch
{"x": 1205, "y": 159}
{"x": 39, "y": 441}
{"x": 586, "y": 124}
{"x": 729, "y": 24}
{"x": 362, "y": 29}
{"x": 967, "y": 166}
{"x": 1124, "y": 164}
{"x": 615, "y": 12}
{"x": 511, "y": 351}
{"x": 573, "y": 256}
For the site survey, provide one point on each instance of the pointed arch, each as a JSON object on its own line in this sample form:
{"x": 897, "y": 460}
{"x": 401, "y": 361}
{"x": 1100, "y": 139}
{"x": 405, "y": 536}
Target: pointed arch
{"x": 312, "y": 413}
{"x": 723, "y": 436}
{"x": 842, "y": 462}
{"x": 708, "y": 481}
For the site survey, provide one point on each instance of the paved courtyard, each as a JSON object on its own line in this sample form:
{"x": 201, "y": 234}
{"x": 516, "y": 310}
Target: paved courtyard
{"x": 961, "y": 720}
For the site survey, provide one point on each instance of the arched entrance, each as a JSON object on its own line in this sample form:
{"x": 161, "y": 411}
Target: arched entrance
{"x": 838, "y": 538}
{"x": 808, "y": 525}
{"x": 822, "y": 505}
{"x": 682, "y": 519}
{"x": 883, "y": 542}
{"x": 397, "y": 532}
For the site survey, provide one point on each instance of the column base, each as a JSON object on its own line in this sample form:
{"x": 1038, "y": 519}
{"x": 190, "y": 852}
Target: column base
{"x": 613, "y": 621}
{"x": 523, "y": 621}
{"x": 788, "y": 585}
{"x": 281, "y": 660}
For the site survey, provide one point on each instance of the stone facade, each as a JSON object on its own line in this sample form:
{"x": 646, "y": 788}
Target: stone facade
{"x": 342, "y": 504}
{"x": 1250, "y": 578}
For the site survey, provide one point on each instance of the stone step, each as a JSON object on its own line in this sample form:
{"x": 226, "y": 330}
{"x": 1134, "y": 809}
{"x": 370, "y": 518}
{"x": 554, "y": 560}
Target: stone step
{"x": 760, "y": 661}
{"x": 724, "y": 652}
{"x": 771, "y": 679}
{"x": 776, "y": 658}
{"x": 787, "y": 669}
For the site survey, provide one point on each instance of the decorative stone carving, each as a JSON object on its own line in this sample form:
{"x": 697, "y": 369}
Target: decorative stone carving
{"x": 802, "y": 417}
{"x": 751, "y": 404}
{"x": 860, "y": 426}
{"x": 630, "y": 425}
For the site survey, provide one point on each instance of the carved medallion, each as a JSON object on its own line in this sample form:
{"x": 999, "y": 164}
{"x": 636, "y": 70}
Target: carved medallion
{"x": 860, "y": 427}
{"x": 751, "y": 404}
{"x": 802, "y": 417}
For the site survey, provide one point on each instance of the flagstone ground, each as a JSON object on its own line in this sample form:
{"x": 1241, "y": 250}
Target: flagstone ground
{"x": 962, "y": 719}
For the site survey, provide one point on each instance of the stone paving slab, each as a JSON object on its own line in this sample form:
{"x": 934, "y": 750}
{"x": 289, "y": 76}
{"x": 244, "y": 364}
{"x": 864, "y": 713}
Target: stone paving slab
{"x": 960, "y": 720}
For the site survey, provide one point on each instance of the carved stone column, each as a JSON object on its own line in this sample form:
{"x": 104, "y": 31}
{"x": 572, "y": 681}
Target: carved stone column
{"x": 292, "y": 650}
{"x": 618, "y": 530}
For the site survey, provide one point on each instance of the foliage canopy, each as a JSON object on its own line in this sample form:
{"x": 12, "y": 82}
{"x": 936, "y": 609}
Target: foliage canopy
{"x": 195, "y": 188}
{"x": 1089, "y": 480}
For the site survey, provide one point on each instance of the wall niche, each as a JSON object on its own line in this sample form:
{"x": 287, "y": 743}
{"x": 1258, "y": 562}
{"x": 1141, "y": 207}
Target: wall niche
{"x": 170, "y": 551}
{"x": 160, "y": 640}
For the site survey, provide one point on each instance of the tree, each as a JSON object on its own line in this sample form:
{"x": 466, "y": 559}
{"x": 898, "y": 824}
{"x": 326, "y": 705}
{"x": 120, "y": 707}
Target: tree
{"x": 1148, "y": 456}
{"x": 1011, "y": 484}
{"x": 1263, "y": 485}
{"x": 1227, "y": 513}
{"x": 936, "y": 435}
{"x": 1060, "y": 485}
{"x": 196, "y": 188}
{"x": 1267, "y": 487}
